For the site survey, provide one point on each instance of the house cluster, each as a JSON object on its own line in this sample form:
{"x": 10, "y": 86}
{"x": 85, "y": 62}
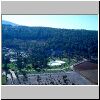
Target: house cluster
{"x": 12, "y": 54}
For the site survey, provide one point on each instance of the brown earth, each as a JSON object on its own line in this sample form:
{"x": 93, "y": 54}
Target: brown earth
{"x": 89, "y": 70}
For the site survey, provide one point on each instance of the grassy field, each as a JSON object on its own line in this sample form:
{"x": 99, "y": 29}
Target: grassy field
{"x": 49, "y": 69}
{"x": 3, "y": 80}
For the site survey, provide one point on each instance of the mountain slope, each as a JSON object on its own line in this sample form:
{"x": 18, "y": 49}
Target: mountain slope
{"x": 8, "y": 23}
{"x": 61, "y": 41}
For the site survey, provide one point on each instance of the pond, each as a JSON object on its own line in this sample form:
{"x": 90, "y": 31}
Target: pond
{"x": 56, "y": 63}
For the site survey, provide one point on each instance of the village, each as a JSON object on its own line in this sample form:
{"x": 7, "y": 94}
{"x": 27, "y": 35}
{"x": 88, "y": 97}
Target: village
{"x": 80, "y": 73}
{"x": 12, "y": 54}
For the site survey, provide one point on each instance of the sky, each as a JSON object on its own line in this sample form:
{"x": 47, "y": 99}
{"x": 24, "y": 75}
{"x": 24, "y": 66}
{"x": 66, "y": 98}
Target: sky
{"x": 88, "y": 22}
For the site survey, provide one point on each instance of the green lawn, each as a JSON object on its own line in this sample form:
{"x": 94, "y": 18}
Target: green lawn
{"x": 65, "y": 66}
{"x": 3, "y": 80}
{"x": 30, "y": 69}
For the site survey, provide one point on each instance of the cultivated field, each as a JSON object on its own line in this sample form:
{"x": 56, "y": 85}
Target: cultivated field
{"x": 59, "y": 78}
{"x": 88, "y": 70}
{"x": 86, "y": 66}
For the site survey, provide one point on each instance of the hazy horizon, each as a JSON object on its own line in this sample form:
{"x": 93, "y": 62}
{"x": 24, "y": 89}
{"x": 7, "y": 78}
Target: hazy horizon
{"x": 87, "y": 22}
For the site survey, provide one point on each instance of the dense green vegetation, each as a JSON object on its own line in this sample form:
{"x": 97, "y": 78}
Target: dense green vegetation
{"x": 44, "y": 40}
{"x": 40, "y": 44}
{"x": 3, "y": 79}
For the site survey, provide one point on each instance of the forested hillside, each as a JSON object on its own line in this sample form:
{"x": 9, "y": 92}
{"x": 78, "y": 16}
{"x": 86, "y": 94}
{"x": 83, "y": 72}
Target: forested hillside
{"x": 33, "y": 50}
{"x": 48, "y": 41}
